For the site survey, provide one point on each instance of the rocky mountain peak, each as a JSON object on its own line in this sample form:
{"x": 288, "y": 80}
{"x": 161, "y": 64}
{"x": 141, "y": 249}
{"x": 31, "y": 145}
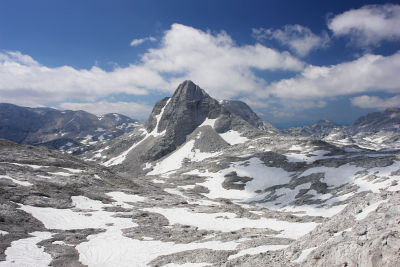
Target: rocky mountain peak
{"x": 189, "y": 91}
{"x": 188, "y": 107}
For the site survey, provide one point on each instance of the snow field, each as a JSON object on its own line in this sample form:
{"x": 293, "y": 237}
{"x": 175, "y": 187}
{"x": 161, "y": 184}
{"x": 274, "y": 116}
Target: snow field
{"x": 367, "y": 210}
{"x": 257, "y": 250}
{"x": 227, "y": 222}
{"x": 304, "y": 255}
{"x": 233, "y": 137}
{"x": 25, "y": 252}
{"x": 3, "y": 232}
{"x": 107, "y": 249}
{"x": 306, "y": 157}
{"x": 87, "y": 213}
{"x": 263, "y": 177}
{"x": 174, "y": 161}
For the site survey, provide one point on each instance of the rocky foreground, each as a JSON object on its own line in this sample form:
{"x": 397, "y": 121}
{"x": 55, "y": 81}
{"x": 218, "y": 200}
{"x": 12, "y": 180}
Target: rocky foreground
{"x": 328, "y": 210}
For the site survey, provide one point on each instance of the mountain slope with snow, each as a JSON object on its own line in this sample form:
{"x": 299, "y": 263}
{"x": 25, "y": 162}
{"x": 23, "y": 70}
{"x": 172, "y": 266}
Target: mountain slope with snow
{"x": 375, "y": 131}
{"x": 199, "y": 186}
{"x": 172, "y": 124}
{"x": 71, "y": 131}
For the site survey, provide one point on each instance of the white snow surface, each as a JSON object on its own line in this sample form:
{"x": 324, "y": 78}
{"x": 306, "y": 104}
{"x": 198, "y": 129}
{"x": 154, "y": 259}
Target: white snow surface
{"x": 227, "y": 221}
{"x": 158, "y": 118}
{"x": 335, "y": 177}
{"x": 174, "y": 160}
{"x": 263, "y": 177}
{"x": 309, "y": 156}
{"x": 208, "y": 122}
{"x": 304, "y": 255}
{"x": 59, "y": 242}
{"x": 3, "y": 232}
{"x": 74, "y": 170}
{"x": 257, "y": 250}
{"x": 33, "y": 166}
{"x": 67, "y": 219}
{"x": 120, "y": 158}
{"x": 367, "y": 210}
{"x": 233, "y": 137}
{"x": 108, "y": 248}
{"x": 25, "y": 252}
{"x": 66, "y": 174}
{"x": 23, "y": 183}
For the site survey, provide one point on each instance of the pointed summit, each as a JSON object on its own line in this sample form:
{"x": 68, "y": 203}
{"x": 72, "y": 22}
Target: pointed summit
{"x": 179, "y": 115}
{"x": 189, "y": 91}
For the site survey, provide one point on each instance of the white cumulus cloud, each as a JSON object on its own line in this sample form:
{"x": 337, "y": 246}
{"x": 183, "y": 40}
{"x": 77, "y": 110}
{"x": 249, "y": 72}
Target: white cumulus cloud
{"x": 366, "y": 101}
{"x": 369, "y": 73}
{"x": 368, "y": 25}
{"x": 214, "y": 61}
{"x": 299, "y": 39}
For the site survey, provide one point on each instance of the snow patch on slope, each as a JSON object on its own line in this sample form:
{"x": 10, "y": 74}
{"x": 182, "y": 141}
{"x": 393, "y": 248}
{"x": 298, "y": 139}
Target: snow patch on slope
{"x": 263, "y": 177}
{"x": 227, "y": 221}
{"x": 174, "y": 160}
{"x": 80, "y": 217}
{"x": 367, "y": 210}
{"x": 15, "y": 180}
{"x": 25, "y": 252}
{"x": 107, "y": 249}
{"x": 233, "y": 137}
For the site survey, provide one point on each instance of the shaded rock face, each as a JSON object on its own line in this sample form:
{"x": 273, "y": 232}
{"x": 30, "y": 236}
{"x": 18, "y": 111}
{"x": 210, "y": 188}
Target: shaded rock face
{"x": 242, "y": 110}
{"x": 187, "y": 108}
{"x": 55, "y": 129}
{"x": 181, "y": 115}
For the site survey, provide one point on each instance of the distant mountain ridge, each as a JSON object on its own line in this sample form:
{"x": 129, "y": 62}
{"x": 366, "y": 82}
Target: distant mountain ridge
{"x": 73, "y": 131}
{"x": 377, "y": 130}
{"x": 318, "y": 129}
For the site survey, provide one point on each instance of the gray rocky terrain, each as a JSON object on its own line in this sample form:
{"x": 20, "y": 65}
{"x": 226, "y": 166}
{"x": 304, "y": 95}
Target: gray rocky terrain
{"x": 70, "y": 131}
{"x": 242, "y": 110}
{"x": 200, "y": 186}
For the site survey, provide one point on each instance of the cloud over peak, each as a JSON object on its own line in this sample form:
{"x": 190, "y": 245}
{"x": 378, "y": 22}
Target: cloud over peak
{"x": 212, "y": 60}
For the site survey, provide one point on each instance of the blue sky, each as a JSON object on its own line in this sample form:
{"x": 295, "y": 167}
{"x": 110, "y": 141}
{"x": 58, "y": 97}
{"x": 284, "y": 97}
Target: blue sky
{"x": 293, "y": 62}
